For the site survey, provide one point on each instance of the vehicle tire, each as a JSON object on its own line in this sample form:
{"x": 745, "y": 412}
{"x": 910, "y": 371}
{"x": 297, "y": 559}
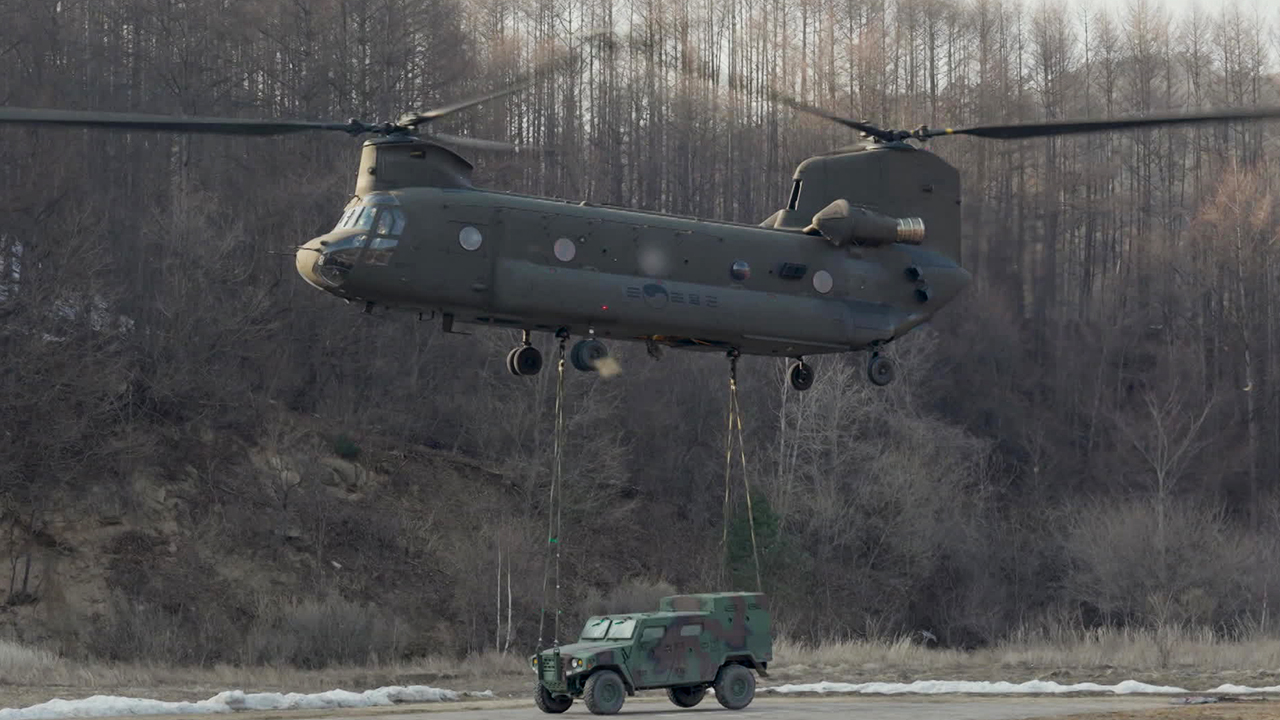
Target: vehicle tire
{"x": 604, "y": 693}
{"x": 735, "y": 686}
{"x": 549, "y": 703}
{"x": 880, "y": 370}
{"x": 686, "y": 697}
{"x": 586, "y": 353}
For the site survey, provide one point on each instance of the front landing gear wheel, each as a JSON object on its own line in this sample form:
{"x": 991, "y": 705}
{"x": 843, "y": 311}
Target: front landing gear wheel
{"x": 686, "y": 697}
{"x": 735, "y": 687}
{"x": 880, "y": 370}
{"x": 586, "y": 353}
{"x": 524, "y": 361}
{"x": 801, "y": 376}
{"x": 549, "y": 703}
{"x": 604, "y": 693}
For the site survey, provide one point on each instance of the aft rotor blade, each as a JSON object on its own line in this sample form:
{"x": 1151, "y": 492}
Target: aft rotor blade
{"x": 1071, "y": 127}
{"x": 481, "y": 144}
{"x": 867, "y": 128}
{"x": 177, "y": 123}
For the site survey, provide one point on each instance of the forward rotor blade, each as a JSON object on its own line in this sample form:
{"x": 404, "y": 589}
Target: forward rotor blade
{"x": 140, "y": 121}
{"x": 437, "y": 113}
{"x": 1071, "y": 127}
{"x": 481, "y": 144}
{"x": 867, "y": 128}
{"x": 426, "y": 116}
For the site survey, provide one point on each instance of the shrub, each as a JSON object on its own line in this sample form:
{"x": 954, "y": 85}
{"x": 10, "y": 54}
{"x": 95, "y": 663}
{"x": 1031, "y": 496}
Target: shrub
{"x": 633, "y": 595}
{"x": 346, "y": 448}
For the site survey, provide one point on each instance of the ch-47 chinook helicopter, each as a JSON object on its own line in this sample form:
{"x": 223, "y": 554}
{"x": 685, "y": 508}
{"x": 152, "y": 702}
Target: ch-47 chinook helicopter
{"x": 867, "y": 248}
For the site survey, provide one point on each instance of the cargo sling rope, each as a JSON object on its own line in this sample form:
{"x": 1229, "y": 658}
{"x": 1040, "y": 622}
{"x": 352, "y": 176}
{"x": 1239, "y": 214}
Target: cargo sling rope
{"x": 735, "y": 429}
{"x": 553, "y": 507}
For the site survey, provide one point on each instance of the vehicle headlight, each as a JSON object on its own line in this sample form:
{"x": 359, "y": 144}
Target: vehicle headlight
{"x": 533, "y": 662}
{"x": 575, "y": 664}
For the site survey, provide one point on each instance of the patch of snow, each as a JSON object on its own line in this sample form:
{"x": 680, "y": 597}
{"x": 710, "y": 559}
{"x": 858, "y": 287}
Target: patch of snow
{"x": 234, "y": 700}
{"x": 972, "y": 687}
{"x": 1229, "y": 689}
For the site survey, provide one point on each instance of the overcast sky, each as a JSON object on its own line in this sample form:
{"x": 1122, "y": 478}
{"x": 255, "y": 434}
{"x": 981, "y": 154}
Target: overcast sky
{"x": 1268, "y": 8}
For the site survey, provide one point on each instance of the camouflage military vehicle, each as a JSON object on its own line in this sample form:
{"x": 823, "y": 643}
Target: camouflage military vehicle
{"x": 693, "y": 642}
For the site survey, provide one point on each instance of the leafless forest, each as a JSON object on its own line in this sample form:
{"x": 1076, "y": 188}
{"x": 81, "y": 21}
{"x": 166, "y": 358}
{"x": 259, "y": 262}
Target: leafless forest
{"x": 205, "y": 460}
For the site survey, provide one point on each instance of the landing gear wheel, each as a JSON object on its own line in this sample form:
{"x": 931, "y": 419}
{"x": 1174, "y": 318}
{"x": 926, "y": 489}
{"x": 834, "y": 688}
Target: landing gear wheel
{"x": 524, "y": 361}
{"x": 604, "y": 693}
{"x": 801, "y": 376}
{"x": 686, "y": 697}
{"x": 586, "y": 353}
{"x": 880, "y": 370}
{"x": 735, "y": 687}
{"x": 549, "y": 703}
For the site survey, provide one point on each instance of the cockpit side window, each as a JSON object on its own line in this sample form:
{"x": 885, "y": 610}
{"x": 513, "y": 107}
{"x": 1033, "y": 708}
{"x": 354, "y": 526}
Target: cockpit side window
{"x": 380, "y": 215}
{"x": 794, "y": 202}
{"x": 391, "y": 222}
{"x": 365, "y": 221}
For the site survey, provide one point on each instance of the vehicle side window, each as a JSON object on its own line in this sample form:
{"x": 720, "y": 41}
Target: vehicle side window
{"x": 691, "y": 630}
{"x": 651, "y": 633}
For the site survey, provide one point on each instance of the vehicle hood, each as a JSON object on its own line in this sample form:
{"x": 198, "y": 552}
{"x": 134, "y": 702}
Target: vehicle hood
{"x": 585, "y": 649}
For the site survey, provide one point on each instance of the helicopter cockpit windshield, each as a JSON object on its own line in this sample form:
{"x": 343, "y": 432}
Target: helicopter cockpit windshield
{"x": 367, "y": 234}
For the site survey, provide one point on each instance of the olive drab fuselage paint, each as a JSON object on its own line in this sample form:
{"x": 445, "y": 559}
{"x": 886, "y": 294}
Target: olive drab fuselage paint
{"x": 432, "y": 243}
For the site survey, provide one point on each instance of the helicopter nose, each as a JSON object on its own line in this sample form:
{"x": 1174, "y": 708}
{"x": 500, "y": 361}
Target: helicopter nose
{"x": 306, "y": 261}
{"x": 327, "y": 261}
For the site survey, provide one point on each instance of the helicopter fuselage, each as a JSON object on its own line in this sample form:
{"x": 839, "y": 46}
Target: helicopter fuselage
{"x": 520, "y": 262}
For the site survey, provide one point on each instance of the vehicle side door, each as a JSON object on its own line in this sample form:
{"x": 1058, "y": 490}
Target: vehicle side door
{"x": 651, "y": 664}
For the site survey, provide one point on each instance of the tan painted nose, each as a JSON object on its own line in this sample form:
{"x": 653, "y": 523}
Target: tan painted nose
{"x": 305, "y": 262}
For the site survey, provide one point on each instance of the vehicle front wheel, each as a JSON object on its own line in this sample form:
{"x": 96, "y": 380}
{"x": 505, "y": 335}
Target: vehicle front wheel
{"x": 604, "y": 693}
{"x": 549, "y": 703}
{"x": 686, "y": 697}
{"x": 735, "y": 686}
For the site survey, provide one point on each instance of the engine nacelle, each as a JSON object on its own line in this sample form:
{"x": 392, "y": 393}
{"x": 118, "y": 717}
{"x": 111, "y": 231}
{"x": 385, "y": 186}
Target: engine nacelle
{"x": 844, "y": 224}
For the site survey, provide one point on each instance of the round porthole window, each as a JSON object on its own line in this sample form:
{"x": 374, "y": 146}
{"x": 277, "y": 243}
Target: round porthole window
{"x": 470, "y": 238}
{"x": 740, "y": 270}
{"x": 822, "y": 281}
{"x": 565, "y": 249}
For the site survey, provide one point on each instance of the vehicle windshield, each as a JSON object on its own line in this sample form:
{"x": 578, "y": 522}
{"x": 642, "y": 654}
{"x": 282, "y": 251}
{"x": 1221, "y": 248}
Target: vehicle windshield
{"x": 622, "y": 629}
{"x": 595, "y": 628}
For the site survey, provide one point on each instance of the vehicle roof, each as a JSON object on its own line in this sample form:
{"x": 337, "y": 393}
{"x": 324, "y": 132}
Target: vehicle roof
{"x": 661, "y": 614}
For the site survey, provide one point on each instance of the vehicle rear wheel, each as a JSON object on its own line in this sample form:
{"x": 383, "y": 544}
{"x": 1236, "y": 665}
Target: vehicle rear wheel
{"x": 735, "y": 686}
{"x": 604, "y": 693}
{"x": 549, "y": 703}
{"x": 686, "y": 697}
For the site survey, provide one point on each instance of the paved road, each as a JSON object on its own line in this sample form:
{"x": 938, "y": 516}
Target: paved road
{"x": 795, "y": 708}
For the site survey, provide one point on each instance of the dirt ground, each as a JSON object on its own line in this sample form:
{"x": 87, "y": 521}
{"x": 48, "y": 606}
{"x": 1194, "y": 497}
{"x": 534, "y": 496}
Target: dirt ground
{"x": 1252, "y": 709}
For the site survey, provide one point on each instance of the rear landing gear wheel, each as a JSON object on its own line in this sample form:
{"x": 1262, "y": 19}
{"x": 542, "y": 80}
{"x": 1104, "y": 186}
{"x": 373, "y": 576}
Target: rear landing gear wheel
{"x": 880, "y": 370}
{"x": 524, "y": 361}
{"x": 801, "y": 376}
{"x": 549, "y": 703}
{"x": 586, "y": 353}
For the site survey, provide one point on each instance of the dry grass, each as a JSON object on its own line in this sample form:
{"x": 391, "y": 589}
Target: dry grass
{"x": 1194, "y": 659}
{"x": 1068, "y": 656}
{"x": 29, "y": 675}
